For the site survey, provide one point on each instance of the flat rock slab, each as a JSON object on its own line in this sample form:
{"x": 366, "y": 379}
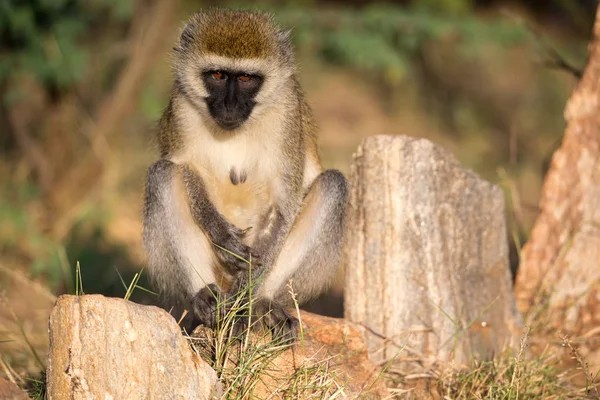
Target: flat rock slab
{"x": 426, "y": 256}
{"x": 107, "y": 348}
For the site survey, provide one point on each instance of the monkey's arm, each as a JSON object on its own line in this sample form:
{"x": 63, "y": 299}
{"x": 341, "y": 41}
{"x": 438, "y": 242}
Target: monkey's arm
{"x": 268, "y": 238}
{"x": 171, "y": 189}
{"x": 297, "y": 184}
{"x": 223, "y": 234}
{"x": 180, "y": 227}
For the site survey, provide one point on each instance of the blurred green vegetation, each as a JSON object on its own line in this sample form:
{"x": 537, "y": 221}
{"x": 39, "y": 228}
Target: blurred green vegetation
{"x": 61, "y": 63}
{"x": 46, "y": 50}
{"x": 50, "y": 39}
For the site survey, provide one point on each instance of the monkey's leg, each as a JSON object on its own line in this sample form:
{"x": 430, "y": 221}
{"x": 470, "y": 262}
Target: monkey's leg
{"x": 180, "y": 227}
{"x": 180, "y": 256}
{"x": 310, "y": 255}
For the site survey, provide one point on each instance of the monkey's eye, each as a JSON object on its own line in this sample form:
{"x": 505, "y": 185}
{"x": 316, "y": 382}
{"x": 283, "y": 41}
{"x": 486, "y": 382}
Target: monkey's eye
{"x": 245, "y": 78}
{"x": 218, "y": 75}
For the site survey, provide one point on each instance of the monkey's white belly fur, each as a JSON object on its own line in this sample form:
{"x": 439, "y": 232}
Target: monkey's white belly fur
{"x": 241, "y": 204}
{"x": 252, "y": 150}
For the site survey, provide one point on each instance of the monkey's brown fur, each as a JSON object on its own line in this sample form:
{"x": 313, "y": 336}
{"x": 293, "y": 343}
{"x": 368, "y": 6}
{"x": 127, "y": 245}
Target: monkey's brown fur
{"x": 253, "y": 36}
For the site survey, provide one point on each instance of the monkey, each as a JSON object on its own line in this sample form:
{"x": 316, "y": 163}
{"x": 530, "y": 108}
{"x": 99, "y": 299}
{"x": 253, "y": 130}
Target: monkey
{"x": 239, "y": 176}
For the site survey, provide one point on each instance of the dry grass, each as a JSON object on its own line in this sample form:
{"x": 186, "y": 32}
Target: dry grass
{"x": 512, "y": 377}
{"x": 250, "y": 364}
{"x": 508, "y": 376}
{"x": 532, "y": 372}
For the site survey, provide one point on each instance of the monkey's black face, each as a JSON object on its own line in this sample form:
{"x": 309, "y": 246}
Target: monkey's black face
{"x": 231, "y": 96}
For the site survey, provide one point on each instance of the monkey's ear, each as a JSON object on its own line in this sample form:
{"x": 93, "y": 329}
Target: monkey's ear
{"x": 187, "y": 35}
{"x": 285, "y": 44}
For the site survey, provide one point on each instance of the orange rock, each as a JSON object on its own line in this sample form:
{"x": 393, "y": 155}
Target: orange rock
{"x": 560, "y": 264}
{"x": 330, "y": 359}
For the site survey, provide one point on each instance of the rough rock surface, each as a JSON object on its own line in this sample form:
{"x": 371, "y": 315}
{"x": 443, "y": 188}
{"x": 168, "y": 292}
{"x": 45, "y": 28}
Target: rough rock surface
{"x": 560, "y": 264}
{"x": 331, "y": 359}
{"x": 426, "y": 256}
{"x": 106, "y": 348}
{"x": 325, "y": 337}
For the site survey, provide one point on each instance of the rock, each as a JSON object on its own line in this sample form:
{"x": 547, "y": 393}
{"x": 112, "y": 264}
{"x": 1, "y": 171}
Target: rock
{"x": 559, "y": 275}
{"x": 10, "y": 391}
{"x": 330, "y": 359}
{"x": 107, "y": 348}
{"x": 103, "y": 348}
{"x": 426, "y": 256}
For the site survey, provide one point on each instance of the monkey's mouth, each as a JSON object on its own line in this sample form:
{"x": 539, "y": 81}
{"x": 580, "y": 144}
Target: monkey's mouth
{"x": 229, "y": 124}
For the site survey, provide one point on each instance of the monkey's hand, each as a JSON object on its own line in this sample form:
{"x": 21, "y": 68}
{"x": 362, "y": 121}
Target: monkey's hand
{"x": 231, "y": 250}
{"x": 207, "y": 305}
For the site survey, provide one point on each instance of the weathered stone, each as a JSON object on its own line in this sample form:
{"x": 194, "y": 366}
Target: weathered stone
{"x": 426, "y": 256}
{"x": 560, "y": 264}
{"x": 107, "y": 348}
{"x": 331, "y": 358}
{"x": 10, "y": 391}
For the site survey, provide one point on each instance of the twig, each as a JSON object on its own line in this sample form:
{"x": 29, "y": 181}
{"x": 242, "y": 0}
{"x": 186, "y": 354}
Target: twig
{"x": 556, "y": 61}
{"x": 31, "y": 150}
{"x": 389, "y": 339}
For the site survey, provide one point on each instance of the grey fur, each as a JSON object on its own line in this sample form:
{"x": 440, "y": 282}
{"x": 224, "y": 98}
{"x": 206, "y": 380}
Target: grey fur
{"x": 314, "y": 273}
{"x": 158, "y": 236}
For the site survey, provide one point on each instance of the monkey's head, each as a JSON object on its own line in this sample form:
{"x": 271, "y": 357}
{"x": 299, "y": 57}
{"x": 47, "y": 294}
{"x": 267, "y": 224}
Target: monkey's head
{"x": 231, "y": 64}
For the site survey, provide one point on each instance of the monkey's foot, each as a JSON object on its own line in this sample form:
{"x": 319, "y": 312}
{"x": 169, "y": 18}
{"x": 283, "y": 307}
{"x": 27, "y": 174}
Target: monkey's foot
{"x": 213, "y": 308}
{"x": 274, "y": 317}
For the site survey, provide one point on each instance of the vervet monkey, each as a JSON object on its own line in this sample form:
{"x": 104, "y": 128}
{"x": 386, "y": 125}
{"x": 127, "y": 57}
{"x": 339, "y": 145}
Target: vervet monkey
{"x": 240, "y": 173}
